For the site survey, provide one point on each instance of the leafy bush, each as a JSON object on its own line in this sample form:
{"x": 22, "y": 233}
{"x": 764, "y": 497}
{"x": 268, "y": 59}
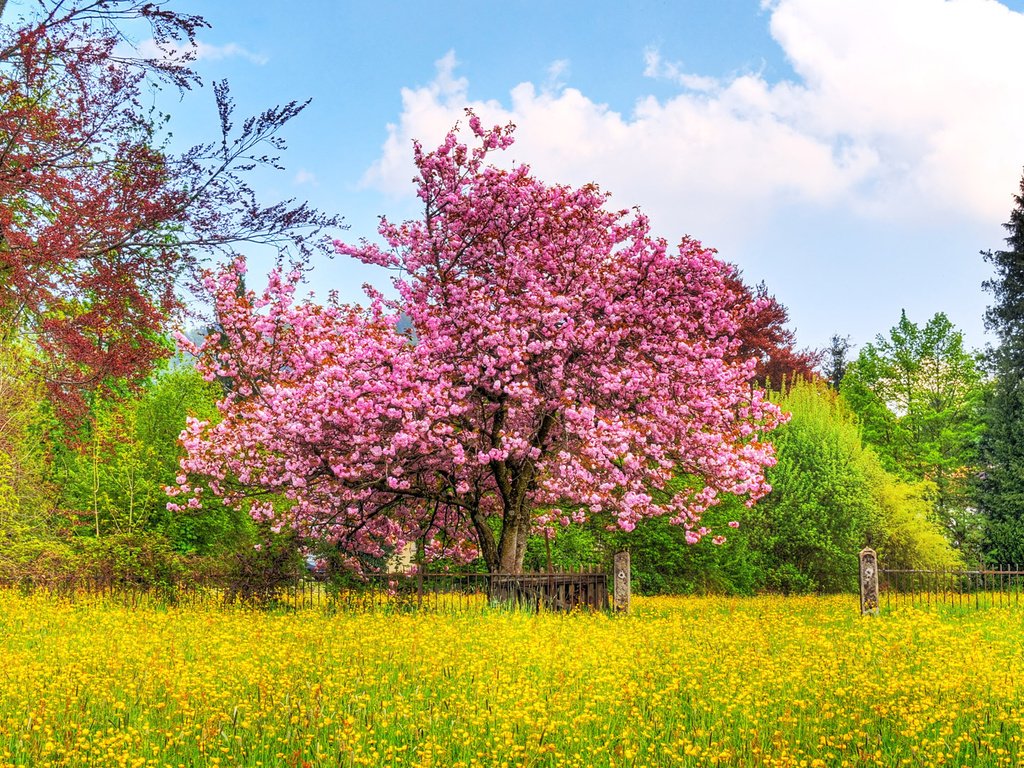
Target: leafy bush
{"x": 830, "y": 497}
{"x": 146, "y": 560}
{"x": 259, "y": 572}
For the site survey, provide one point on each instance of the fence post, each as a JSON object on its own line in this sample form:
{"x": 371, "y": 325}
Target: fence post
{"x": 621, "y": 589}
{"x": 868, "y": 582}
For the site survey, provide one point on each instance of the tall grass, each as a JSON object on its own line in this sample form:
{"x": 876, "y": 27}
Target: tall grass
{"x": 694, "y": 682}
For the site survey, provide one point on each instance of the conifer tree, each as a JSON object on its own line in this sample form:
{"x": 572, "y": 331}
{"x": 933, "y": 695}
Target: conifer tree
{"x": 1001, "y": 483}
{"x": 836, "y": 360}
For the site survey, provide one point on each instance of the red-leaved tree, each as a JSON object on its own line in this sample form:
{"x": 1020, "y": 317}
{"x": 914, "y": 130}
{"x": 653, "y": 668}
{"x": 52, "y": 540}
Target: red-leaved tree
{"x": 545, "y": 358}
{"x": 763, "y": 336}
{"x": 99, "y": 225}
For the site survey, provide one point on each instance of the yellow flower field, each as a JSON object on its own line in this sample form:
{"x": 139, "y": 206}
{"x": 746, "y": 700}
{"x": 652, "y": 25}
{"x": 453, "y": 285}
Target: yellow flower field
{"x": 683, "y": 681}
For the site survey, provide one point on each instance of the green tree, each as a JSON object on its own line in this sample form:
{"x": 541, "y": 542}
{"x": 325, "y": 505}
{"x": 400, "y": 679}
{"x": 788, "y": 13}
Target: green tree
{"x": 115, "y": 475}
{"x": 918, "y": 394}
{"x": 811, "y": 526}
{"x": 905, "y": 532}
{"x": 1001, "y": 482}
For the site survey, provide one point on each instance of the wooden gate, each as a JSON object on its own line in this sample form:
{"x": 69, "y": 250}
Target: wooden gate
{"x": 554, "y": 591}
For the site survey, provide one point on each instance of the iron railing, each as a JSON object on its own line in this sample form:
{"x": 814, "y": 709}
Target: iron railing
{"x": 556, "y": 590}
{"x": 982, "y": 587}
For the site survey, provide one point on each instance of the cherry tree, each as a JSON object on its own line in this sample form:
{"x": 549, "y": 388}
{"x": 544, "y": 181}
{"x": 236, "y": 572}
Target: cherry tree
{"x": 545, "y": 358}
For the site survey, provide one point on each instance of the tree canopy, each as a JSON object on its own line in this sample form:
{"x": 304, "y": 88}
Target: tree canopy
{"x": 764, "y": 336}
{"x": 831, "y": 497}
{"x": 560, "y": 362}
{"x": 918, "y": 395}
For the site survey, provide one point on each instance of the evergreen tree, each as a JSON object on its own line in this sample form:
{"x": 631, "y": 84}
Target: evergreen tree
{"x": 1001, "y": 483}
{"x": 836, "y": 360}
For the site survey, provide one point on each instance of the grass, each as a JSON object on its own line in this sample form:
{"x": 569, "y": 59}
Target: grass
{"x": 683, "y": 681}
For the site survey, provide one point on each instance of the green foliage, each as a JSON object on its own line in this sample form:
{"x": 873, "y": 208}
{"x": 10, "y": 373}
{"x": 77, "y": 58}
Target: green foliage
{"x": 28, "y": 543}
{"x": 258, "y": 572}
{"x": 918, "y": 395}
{"x": 574, "y": 546}
{"x": 143, "y": 559}
{"x": 10, "y": 506}
{"x": 906, "y": 533}
{"x": 661, "y": 560}
{"x": 831, "y": 496}
{"x": 812, "y": 524}
{"x": 26, "y": 498}
{"x": 663, "y": 563}
{"x": 111, "y": 476}
{"x": 836, "y": 361}
{"x": 114, "y": 477}
{"x": 1001, "y": 485}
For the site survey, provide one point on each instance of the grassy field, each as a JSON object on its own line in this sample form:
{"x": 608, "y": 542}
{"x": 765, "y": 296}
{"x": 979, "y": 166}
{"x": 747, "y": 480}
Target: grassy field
{"x": 745, "y": 682}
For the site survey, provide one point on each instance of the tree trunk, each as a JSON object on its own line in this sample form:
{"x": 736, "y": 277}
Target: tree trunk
{"x": 509, "y": 549}
{"x": 512, "y": 547}
{"x": 485, "y": 538}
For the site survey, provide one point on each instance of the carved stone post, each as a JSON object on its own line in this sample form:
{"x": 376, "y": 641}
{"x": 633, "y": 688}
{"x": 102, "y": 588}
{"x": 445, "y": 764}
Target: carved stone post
{"x": 621, "y": 594}
{"x": 868, "y": 582}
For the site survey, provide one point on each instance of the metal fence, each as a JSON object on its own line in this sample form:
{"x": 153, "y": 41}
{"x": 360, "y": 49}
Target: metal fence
{"x": 983, "y": 587}
{"x": 556, "y": 591}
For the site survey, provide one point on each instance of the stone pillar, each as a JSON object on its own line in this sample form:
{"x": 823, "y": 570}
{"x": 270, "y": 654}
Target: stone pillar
{"x": 868, "y": 582}
{"x": 621, "y": 575}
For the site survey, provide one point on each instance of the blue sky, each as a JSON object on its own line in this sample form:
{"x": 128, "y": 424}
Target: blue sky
{"x": 854, "y": 154}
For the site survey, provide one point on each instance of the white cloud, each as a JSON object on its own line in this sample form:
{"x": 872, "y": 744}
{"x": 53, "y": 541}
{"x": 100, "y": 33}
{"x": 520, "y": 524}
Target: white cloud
{"x": 199, "y": 52}
{"x": 558, "y": 70}
{"x": 303, "y": 176}
{"x": 902, "y": 111}
{"x": 655, "y": 67}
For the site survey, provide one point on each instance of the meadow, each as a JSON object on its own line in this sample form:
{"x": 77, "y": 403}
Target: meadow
{"x": 766, "y": 681}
